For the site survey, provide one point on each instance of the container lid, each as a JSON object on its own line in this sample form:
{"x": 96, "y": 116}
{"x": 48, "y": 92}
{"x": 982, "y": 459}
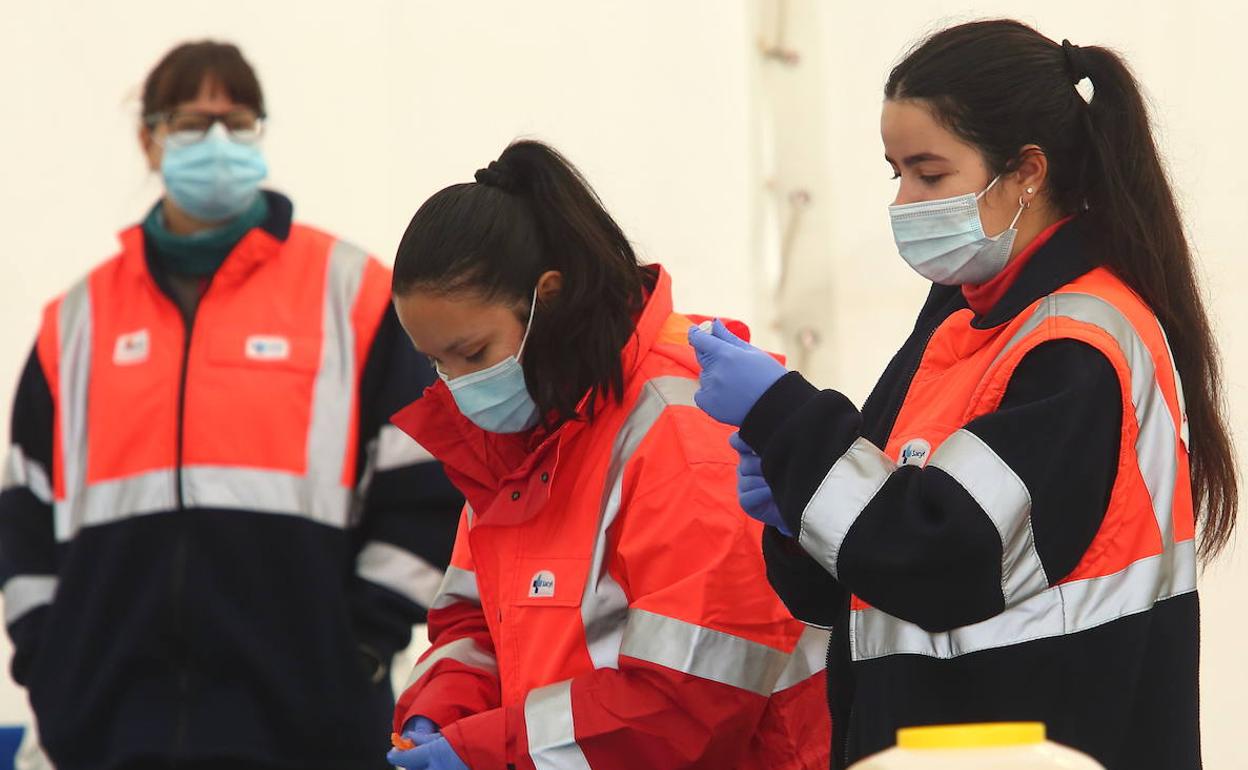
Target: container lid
{"x": 971, "y": 736}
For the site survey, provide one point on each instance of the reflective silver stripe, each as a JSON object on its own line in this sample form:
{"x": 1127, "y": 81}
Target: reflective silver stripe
{"x": 1004, "y": 497}
{"x": 396, "y": 449}
{"x": 74, "y": 374}
{"x": 1156, "y": 443}
{"x": 463, "y": 650}
{"x": 702, "y": 652}
{"x": 332, "y": 399}
{"x": 458, "y": 585}
{"x": 1067, "y": 608}
{"x": 21, "y": 471}
{"x": 1178, "y": 388}
{"x": 1084, "y": 604}
{"x": 854, "y": 479}
{"x": 604, "y": 606}
{"x": 809, "y": 657}
{"x": 204, "y": 486}
{"x": 551, "y": 732}
{"x": 322, "y": 499}
{"x": 108, "y": 501}
{"x": 23, "y": 593}
{"x": 399, "y": 570}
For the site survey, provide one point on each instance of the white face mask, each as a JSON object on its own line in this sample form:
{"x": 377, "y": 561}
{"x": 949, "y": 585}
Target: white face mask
{"x": 496, "y": 399}
{"x": 944, "y": 240}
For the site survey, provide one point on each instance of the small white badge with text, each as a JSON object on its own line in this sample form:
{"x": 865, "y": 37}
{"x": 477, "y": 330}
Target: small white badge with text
{"x": 267, "y": 347}
{"x": 542, "y": 585}
{"x": 132, "y": 348}
{"x": 916, "y": 451}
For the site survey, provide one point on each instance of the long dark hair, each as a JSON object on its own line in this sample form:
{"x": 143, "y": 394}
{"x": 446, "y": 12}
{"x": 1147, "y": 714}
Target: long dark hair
{"x": 1001, "y": 85}
{"x": 531, "y": 211}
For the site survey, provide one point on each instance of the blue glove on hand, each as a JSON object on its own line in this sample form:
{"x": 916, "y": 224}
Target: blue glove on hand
{"x": 752, "y": 490}
{"x": 432, "y": 751}
{"x": 735, "y": 374}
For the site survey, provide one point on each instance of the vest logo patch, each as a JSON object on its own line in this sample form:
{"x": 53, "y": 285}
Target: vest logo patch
{"x": 267, "y": 347}
{"x": 132, "y": 348}
{"x": 542, "y": 585}
{"x": 916, "y": 451}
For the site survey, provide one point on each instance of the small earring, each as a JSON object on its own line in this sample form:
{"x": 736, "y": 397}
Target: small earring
{"x": 1022, "y": 204}
{"x": 1030, "y": 190}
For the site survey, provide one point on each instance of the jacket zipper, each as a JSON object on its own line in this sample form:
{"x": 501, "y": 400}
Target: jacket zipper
{"x": 180, "y": 550}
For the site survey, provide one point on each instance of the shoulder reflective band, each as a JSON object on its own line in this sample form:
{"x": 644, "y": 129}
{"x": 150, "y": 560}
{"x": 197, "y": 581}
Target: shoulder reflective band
{"x": 603, "y": 604}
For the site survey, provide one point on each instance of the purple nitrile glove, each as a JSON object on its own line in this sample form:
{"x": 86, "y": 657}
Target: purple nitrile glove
{"x": 752, "y": 490}
{"x": 735, "y": 374}
{"x": 420, "y": 731}
{"x": 435, "y": 754}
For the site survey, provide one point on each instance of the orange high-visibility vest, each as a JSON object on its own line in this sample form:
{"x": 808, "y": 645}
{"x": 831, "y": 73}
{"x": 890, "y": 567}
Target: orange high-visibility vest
{"x": 1145, "y": 550}
{"x": 263, "y": 415}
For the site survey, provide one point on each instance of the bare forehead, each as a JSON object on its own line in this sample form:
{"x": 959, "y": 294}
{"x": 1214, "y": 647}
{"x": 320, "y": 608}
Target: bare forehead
{"x": 908, "y": 128}
{"x": 434, "y": 320}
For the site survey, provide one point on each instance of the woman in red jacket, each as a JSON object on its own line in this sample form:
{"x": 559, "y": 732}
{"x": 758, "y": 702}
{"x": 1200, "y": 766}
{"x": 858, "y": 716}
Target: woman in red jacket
{"x": 607, "y": 605}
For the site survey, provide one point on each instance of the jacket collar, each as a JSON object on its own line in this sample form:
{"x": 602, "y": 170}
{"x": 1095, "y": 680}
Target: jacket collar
{"x": 1065, "y": 257}
{"x": 259, "y": 245}
{"x": 479, "y": 462}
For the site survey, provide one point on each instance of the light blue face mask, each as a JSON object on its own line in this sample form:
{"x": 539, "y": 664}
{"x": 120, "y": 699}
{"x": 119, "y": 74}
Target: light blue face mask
{"x": 496, "y": 399}
{"x": 214, "y": 179}
{"x": 944, "y": 240}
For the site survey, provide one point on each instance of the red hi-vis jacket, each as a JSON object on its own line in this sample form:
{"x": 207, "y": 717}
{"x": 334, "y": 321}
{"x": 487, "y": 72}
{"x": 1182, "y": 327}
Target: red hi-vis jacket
{"x": 607, "y": 605}
{"x": 1006, "y": 530}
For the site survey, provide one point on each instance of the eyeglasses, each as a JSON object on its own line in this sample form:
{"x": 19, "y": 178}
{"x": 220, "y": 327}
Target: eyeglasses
{"x": 244, "y": 126}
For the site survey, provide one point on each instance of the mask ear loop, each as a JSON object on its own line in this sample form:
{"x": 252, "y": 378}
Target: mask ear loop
{"x": 528, "y": 327}
{"x": 1022, "y": 204}
{"x": 984, "y": 192}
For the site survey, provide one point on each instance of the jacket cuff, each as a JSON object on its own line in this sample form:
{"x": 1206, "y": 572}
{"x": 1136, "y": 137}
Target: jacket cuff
{"x": 446, "y": 698}
{"x": 783, "y": 398}
{"x": 484, "y": 741}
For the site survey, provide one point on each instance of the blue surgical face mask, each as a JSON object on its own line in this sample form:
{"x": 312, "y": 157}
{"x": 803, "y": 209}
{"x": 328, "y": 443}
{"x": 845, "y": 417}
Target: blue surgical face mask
{"x": 944, "y": 240}
{"x": 214, "y": 179}
{"x": 496, "y": 399}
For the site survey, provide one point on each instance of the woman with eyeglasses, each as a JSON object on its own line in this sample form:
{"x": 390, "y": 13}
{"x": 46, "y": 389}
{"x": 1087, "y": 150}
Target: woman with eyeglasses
{"x": 210, "y": 546}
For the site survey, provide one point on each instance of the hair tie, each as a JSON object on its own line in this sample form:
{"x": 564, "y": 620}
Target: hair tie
{"x": 497, "y": 175}
{"x": 1076, "y": 61}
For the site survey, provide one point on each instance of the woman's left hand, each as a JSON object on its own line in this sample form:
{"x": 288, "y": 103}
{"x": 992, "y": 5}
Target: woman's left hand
{"x": 735, "y": 374}
{"x": 752, "y": 491}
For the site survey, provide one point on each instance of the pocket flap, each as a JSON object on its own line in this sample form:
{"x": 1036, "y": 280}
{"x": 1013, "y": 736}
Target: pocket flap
{"x": 265, "y": 350}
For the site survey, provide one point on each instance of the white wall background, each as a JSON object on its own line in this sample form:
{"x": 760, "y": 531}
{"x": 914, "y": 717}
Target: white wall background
{"x": 378, "y": 103}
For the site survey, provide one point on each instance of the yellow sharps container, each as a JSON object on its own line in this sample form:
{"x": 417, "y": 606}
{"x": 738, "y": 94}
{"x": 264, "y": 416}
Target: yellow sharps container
{"x": 1000, "y": 746}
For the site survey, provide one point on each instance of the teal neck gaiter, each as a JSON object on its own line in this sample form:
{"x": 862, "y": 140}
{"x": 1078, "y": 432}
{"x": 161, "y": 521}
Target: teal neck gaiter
{"x": 200, "y": 254}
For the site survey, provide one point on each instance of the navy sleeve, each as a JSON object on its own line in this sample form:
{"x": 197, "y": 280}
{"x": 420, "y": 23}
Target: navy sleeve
{"x": 28, "y": 569}
{"x": 410, "y": 509}
{"x": 916, "y": 542}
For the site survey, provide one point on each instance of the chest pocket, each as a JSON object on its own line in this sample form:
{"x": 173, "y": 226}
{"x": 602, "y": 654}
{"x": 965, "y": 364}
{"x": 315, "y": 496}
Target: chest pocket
{"x": 265, "y": 351}
{"x": 549, "y": 582}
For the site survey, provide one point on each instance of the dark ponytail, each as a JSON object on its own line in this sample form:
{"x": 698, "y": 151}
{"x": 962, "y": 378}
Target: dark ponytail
{"x": 531, "y": 211}
{"x": 1001, "y": 85}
